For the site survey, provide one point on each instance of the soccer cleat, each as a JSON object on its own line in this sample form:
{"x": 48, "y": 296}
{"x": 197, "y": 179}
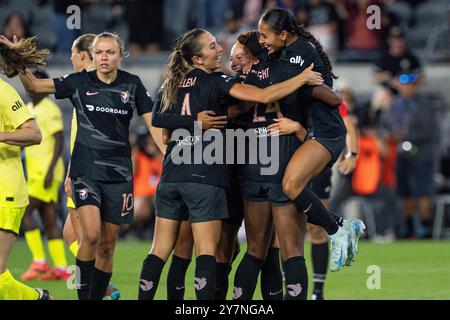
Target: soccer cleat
{"x": 112, "y": 293}
{"x": 43, "y": 294}
{"x": 35, "y": 270}
{"x": 317, "y": 296}
{"x": 55, "y": 274}
{"x": 355, "y": 228}
{"x": 338, "y": 249}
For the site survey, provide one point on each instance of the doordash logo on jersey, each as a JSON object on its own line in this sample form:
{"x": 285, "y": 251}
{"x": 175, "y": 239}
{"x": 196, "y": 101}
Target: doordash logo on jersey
{"x": 92, "y": 108}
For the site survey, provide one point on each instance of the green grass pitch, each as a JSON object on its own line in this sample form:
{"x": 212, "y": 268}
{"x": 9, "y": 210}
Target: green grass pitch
{"x": 408, "y": 270}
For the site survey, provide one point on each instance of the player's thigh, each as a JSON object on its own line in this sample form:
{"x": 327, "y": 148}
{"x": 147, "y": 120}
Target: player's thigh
{"x": 306, "y": 163}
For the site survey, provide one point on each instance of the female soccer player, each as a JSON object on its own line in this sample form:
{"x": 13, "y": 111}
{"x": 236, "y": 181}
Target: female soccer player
{"x": 279, "y": 33}
{"x": 100, "y": 169}
{"x": 321, "y": 185}
{"x": 17, "y": 129}
{"x": 197, "y": 189}
{"x": 264, "y": 192}
{"x": 45, "y": 173}
{"x": 81, "y": 60}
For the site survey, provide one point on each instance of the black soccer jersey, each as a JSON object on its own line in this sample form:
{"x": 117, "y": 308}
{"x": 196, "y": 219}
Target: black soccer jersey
{"x": 199, "y": 91}
{"x": 102, "y": 149}
{"x": 322, "y": 120}
{"x": 262, "y": 75}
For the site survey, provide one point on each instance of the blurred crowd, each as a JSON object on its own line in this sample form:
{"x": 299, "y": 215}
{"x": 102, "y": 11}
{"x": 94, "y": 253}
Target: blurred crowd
{"x": 404, "y": 149}
{"x": 404, "y": 131}
{"x": 151, "y": 26}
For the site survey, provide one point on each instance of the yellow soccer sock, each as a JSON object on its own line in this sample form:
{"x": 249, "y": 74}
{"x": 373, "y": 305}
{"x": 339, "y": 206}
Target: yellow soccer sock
{"x": 74, "y": 248}
{"x": 34, "y": 242}
{"x": 11, "y": 289}
{"x": 56, "y": 249}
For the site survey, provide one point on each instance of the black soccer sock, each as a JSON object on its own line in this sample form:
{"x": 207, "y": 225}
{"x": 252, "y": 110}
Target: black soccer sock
{"x": 246, "y": 277}
{"x": 319, "y": 253}
{"x": 271, "y": 277}
{"x": 308, "y": 202}
{"x": 84, "y": 276}
{"x": 410, "y": 226}
{"x": 176, "y": 278}
{"x": 296, "y": 278}
{"x": 205, "y": 277}
{"x": 150, "y": 274}
{"x": 100, "y": 281}
{"x": 223, "y": 271}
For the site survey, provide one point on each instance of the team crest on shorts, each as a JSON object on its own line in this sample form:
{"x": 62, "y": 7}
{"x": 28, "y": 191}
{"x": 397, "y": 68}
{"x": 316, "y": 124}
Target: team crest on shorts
{"x": 124, "y": 96}
{"x": 83, "y": 194}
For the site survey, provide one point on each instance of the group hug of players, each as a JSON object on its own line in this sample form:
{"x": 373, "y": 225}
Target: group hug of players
{"x": 281, "y": 90}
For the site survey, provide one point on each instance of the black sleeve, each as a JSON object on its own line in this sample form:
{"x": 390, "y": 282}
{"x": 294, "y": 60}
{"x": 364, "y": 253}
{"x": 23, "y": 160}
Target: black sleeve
{"x": 300, "y": 59}
{"x": 66, "y": 86}
{"x": 221, "y": 84}
{"x": 143, "y": 100}
{"x": 306, "y": 93}
{"x": 169, "y": 119}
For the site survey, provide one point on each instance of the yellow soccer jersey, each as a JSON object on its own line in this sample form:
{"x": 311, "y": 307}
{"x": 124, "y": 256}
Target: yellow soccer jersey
{"x": 38, "y": 157}
{"x": 73, "y": 131}
{"x": 13, "y": 113}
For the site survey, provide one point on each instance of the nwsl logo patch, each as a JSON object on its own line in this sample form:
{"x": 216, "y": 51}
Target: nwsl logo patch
{"x": 124, "y": 96}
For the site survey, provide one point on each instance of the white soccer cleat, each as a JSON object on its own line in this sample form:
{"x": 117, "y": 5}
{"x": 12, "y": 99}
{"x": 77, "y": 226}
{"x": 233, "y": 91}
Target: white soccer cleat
{"x": 355, "y": 229}
{"x": 338, "y": 249}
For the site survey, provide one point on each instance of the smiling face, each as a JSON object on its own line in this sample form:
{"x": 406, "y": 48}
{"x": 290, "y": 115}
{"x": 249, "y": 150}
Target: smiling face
{"x": 211, "y": 53}
{"x": 272, "y": 41}
{"x": 238, "y": 58}
{"x": 106, "y": 55}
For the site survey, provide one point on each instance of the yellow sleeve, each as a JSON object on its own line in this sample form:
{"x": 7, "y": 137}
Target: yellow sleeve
{"x": 12, "y": 106}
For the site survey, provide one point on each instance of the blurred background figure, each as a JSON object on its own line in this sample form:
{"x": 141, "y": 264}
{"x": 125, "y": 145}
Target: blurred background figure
{"x": 145, "y": 21}
{"x": 412, "y": 122}
{"x": 45, "y": 173}
{"x": 16, "y": 24}
{"x": 322, "y": 20}
{"x": 396, "y": 59}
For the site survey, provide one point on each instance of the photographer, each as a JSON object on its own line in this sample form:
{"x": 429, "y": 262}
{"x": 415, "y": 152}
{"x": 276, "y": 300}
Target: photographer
{"x": 412, "y": 122}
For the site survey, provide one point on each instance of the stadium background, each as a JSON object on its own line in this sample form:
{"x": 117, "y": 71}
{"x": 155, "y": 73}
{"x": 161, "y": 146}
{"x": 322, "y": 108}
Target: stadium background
{"x": 412, "y": 268}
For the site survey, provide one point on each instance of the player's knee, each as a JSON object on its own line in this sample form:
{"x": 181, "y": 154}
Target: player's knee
{"x": 292, "y": 187}
{"x": 90, "y": 239}
{"x": 106, "y": 250}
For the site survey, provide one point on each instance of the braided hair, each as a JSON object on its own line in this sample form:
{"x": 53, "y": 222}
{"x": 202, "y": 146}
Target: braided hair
{"x": 22, "y": 55}
{"x": 280, "y": 19}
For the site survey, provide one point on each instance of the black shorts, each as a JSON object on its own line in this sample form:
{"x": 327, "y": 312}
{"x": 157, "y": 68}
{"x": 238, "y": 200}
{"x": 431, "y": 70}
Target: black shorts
{"x": 235, "y": 202}
{"x": 264, "y": 191}
{"x": 196, "y": 202}
{"x": 321, "y": 185}
{"x": 334, "y": 145}
{"x": 114, "y": 199}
